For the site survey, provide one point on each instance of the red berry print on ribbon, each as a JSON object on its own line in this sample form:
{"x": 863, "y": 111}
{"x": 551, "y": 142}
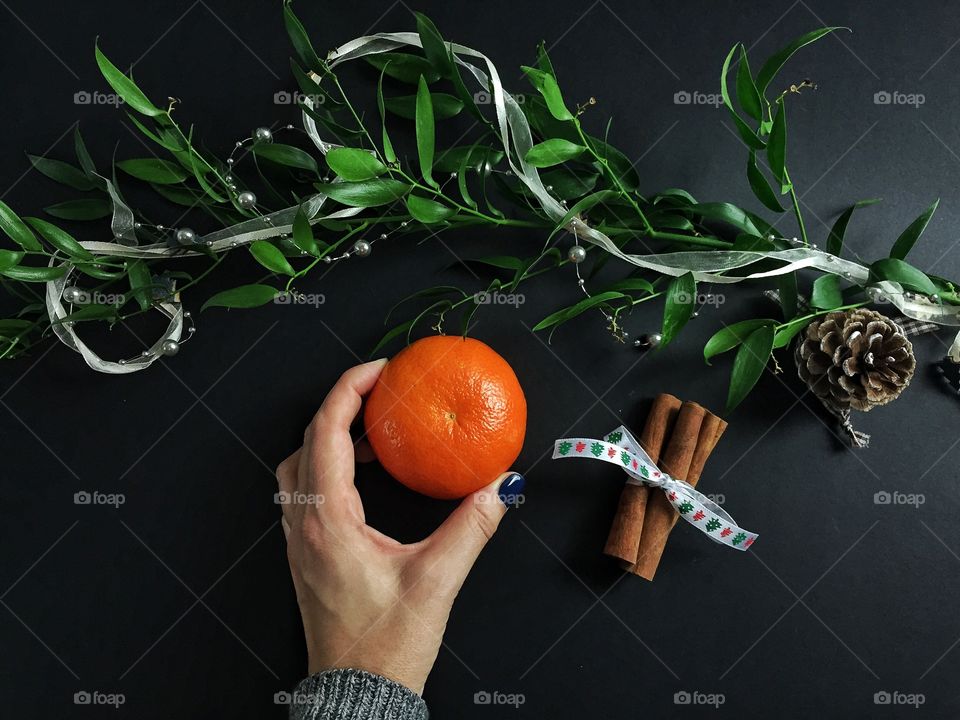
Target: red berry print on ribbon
{"x": 725, "y": 532}
{"x": 699, "y": 515}
{"x": 673, "y": 496}
{"x": 581, "y": 446}
{"x": 611, "y": 452}
{"x": 635, "y": 464}
{"x": 748, "y": 543}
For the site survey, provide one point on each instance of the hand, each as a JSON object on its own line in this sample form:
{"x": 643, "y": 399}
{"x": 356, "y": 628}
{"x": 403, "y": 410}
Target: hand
{"x": 368, "y": 601}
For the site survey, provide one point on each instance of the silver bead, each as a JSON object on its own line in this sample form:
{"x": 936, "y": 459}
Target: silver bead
{"x": 187, "y": 314}
{"x": 170, "y": 348}
{"x": 327, "y": 259}
{"x": 186, "y": 236}
{"x": 145, "y": 353}
{"x": 361, "y": 248}
{"x": 230, "y": 161}
{"x": 262, "y": 134}
{"x": 138, "y": 225}
{"x": 577, "y": 254}
{"x": 160, "y": 227}
{"x": 383, "y": 236}
{"x": 239, "y": 144}
{"x": 247, "y": 200}
{"x": 72, "y": 294}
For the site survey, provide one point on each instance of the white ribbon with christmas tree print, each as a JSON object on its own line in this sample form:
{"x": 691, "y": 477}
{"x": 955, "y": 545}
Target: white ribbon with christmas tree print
{"x": 621, "y": 448}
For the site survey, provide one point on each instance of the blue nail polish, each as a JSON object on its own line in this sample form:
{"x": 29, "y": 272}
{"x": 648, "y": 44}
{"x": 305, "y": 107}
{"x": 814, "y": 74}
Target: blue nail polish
{"x": 510, "y": 491}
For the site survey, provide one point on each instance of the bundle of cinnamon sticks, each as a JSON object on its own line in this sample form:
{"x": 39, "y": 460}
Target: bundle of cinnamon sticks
{"x": 678, "y": 437}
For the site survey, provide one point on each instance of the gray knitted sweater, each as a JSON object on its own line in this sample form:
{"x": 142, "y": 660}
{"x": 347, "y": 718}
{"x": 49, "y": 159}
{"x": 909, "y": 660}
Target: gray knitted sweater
{"x": 354, "y": 695}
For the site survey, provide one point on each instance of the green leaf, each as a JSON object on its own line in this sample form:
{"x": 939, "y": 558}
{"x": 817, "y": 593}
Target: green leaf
{"x": 425, "y": 130}
{"x": 11, "y": 327}
{"x": 749, "y": 137}
{"x": 369, "y": 193}
{"x": 428, "y": 211}
{"x": 681, "y": 301}
{"x": 354, "y": 165}
{"x": 631, "y": 284}
{"x": 787, "y": 332}
{"x": 434, "y": 47}
{"x": 730, "y": 336}
{"x": 826, "y": 293}
{"x": 152, "y": 170}
{"x": 62, "y": 172}
{"x": 777, "y": 147}
{"x": 430, "y": 292}
{"x": 286, "y": 155}
{"x": 567, "y": 184}
{"x": 901, "y": 272}
{"x": 776, "y": 61}
{"x": 562, "y": 316}
{"x": 125, "y": 87}
{"x": 789, "y": 295}
{"x": 33, "y": 274}
{"x": 547, "y": 85}
{"x": 140, "y": 282}
{"x": 10, "y": 258}
{"x": 462, "y": 182}
{"x": 245, "y": 296}
{"x": 444, "y": 106}
{"x": 505, "y": 262}
{"x": 303, "y": 233}
{"x": 908, "y": 237}
{"x": 835, "y": 239}
{"x": 619, "y": 163}
{"x": 90, "y": 313}
{"x": 749, "y": 364}
{"x": 17, "y": 230}
{"x": 404, "y": 67}
{"x": 300, "y": 40}
{"x": 476, "y": 155}
{"x": 553, "y": 152}
{"x": 388, "y": 152}
{"x": 583, "y": 205}
{"x": 728, "y": 213}
{"x": 271, "y": 258}
{"x": 761, "y": 188}
{"x": 394, "y": 333}
{"x": 747, "y": 92}
{"x": 60, "y": 239}
{"x": 83, "y": 156}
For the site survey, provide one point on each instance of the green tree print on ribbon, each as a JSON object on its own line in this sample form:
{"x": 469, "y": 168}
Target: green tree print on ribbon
{"x": 564, "y": 447}
{"x": 596, "y": 449}
{"x": 685, "y": 507}
{"x": 739, "y": 538}
{"x": 712, "y": 524}
{"x": 615, "y": 437}
{"x": 625, "y": 458}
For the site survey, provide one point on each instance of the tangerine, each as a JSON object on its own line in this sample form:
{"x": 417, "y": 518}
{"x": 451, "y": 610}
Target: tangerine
{"x": 447, "y": 416}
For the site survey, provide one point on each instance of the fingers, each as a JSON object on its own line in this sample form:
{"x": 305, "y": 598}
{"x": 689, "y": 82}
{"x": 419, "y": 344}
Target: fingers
{"x": 327, "y": 443}
{"x": 454, "y": 547}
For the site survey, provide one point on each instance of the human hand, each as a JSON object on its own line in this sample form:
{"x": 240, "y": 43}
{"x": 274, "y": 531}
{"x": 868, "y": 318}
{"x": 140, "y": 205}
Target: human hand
{"x": 367, "y": 601}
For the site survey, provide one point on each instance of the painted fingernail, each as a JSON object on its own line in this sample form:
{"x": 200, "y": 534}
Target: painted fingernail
{"x": 510, "y": 491}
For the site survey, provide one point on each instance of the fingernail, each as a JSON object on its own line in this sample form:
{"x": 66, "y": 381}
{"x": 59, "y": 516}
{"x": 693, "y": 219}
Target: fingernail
{"x": 510, "y": 491}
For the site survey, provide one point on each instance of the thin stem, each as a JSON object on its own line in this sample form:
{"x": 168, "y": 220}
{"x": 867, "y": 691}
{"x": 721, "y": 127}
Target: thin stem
{"x": 796, "y": 208}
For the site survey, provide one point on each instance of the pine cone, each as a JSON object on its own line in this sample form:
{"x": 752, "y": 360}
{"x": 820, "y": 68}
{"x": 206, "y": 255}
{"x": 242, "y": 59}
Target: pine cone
{"x": 855, "y": 359}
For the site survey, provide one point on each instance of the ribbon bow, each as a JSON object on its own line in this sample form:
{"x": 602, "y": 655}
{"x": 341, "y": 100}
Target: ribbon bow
{"x": 622, "y": 449}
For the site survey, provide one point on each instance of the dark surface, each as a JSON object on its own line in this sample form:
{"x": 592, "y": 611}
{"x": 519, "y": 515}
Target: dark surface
{"x": 181, "y": 599}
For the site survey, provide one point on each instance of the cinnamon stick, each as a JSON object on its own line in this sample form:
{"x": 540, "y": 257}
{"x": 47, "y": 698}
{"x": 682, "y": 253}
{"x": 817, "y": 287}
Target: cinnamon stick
{"x": 690, "y": 445}
{"x": 623, "y": 541}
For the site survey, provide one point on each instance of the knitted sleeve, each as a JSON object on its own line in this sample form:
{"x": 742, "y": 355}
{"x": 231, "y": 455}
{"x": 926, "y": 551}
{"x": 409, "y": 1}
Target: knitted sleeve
{"x": 346, "y": 694}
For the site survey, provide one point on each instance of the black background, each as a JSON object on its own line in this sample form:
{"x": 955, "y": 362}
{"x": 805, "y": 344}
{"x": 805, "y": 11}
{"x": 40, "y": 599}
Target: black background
{"x": 181, "y": 599}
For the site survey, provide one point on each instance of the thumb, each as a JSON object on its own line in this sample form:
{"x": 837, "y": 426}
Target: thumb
{"x": 454, "y": 546}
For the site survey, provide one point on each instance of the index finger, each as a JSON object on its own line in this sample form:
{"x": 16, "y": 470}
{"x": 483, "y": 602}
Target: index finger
{"x": 327, "y": 443}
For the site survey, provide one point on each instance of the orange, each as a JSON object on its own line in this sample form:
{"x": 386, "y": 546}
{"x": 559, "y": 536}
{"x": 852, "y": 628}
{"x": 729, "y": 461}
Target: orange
{"x": 446, "y": 416}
